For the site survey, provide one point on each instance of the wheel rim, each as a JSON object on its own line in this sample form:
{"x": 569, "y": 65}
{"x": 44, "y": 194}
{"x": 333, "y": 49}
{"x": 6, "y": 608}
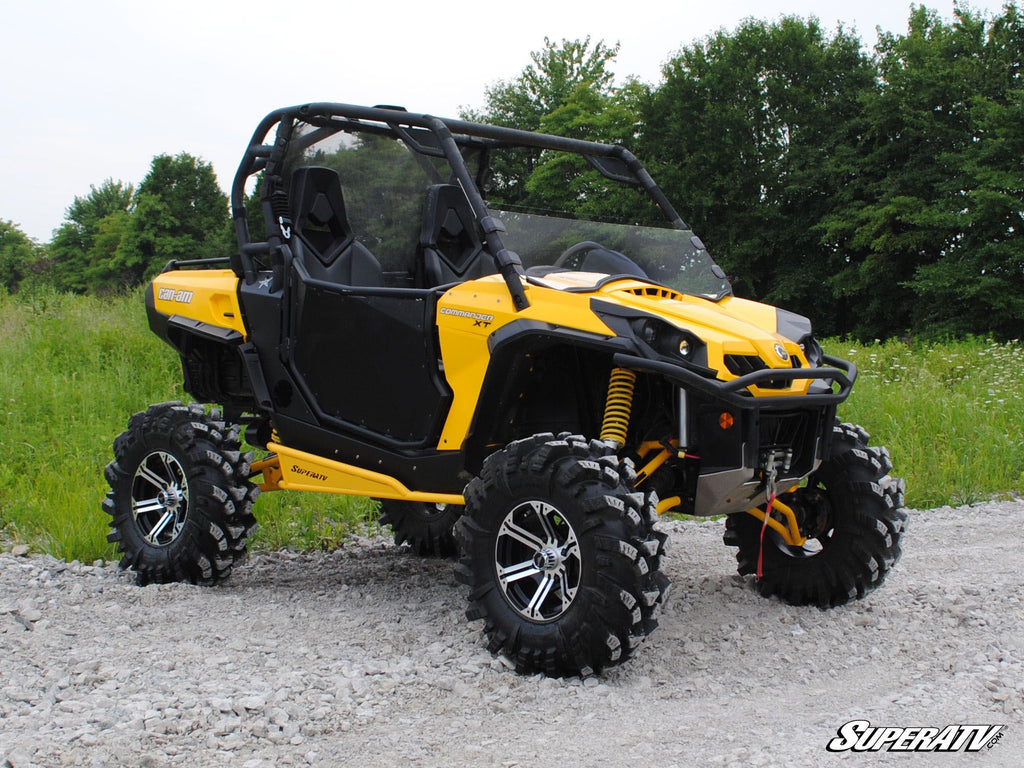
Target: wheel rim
{"x": 816, "y": 520}
{"x": 160, "y": 498}
{"x": 537, "y": 560}
{"x": 430, "y": 512}
{"x": 810, "y": 548}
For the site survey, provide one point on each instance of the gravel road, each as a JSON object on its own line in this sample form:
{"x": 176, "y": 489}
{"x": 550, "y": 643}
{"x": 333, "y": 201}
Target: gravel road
{"x": 363, "y": 656}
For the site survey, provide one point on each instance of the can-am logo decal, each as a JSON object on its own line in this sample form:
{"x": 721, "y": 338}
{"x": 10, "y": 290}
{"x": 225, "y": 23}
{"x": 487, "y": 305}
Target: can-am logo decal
{"x": 861, "y": 736}
{"x": 476, "y": 317}
{"x": 170, "y": 294}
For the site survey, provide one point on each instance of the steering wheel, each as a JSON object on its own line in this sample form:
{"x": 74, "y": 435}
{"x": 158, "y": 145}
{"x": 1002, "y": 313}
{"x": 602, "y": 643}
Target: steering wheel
{"x": 572, "y": 250}
{"x": 604, "y": 260}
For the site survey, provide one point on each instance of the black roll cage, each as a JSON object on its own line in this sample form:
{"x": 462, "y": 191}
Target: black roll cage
{"x": 447, "y": 136}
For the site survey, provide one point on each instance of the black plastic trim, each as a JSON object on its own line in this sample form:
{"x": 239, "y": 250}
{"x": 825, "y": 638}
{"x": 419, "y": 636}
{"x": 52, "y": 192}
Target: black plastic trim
{"x": 251, "y": 359}
{"x": 217, "y": 261}
{"x": 792, "y": 325}
{"x": 621, "y": 319}
{"x": 205, "y": 330}
{"x": 429, "y": 295}
{"x": 521, "y": 329}
{"x": 509, "y": 341}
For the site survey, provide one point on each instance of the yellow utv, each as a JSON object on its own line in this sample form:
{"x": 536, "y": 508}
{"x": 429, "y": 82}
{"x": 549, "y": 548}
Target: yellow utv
{"x": 524, "y": 382}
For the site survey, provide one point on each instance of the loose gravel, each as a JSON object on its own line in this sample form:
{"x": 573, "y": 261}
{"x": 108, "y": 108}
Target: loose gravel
{"x": 364, "y": 656}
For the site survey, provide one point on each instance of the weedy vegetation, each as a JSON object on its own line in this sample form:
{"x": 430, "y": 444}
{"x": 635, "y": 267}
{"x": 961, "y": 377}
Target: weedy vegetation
{"x": 948, "y": 411}
{"x": 74, "y": 368}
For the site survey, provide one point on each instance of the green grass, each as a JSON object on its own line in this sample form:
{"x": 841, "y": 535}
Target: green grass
{"x": 949, "y": 413}
{"x": 74, "y": 368}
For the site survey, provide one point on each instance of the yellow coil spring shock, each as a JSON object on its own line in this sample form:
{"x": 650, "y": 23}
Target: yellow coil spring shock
{"x": 618, "y": 406}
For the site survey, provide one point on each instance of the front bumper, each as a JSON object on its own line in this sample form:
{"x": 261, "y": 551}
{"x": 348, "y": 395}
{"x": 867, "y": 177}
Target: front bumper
{"x": 733, "y": 465}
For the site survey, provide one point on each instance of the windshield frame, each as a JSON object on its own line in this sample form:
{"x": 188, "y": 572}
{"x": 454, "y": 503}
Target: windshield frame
{"x": 454, "y": 140}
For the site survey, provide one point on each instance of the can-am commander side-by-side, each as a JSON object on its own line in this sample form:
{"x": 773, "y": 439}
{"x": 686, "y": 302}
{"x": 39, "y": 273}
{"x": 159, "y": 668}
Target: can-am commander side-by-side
{"x": 435, "y": 313}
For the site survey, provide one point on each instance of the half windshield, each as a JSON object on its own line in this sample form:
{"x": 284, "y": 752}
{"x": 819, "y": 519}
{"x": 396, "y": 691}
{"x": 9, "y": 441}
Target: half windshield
{"x": 673, "y": 258}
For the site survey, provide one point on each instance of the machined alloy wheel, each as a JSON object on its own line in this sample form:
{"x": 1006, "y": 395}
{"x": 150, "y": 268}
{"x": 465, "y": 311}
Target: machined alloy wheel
{"x": 160, "y": 498}
{"x": 537, "y": 558}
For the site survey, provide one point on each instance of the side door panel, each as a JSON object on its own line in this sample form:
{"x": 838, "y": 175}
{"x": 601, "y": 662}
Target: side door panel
{"x": 367, "y": 361}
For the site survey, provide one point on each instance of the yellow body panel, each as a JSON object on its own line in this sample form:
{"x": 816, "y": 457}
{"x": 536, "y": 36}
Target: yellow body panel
{"x": 209, "y": 296}
{"x": 730, "y": 326}
{"x": 469, "y": 313}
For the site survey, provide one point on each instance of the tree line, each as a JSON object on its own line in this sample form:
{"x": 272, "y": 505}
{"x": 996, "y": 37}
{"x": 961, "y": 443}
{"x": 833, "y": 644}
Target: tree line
{"x": 118, "y": 236}
{"x": 879, "y": 192}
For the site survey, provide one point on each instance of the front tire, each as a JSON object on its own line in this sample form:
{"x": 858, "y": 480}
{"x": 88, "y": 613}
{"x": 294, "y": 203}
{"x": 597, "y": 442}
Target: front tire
{"x": 180, "y": 500}
{"x": 852, "y": 515}
{"x": 560, "y": 555}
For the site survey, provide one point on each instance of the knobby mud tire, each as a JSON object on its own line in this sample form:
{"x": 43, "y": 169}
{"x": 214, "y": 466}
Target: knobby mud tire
{"x": 180, "y": 500}
{"x": 426, "y": 528}
{"x": 604, "y": 597}
{"x": 858, "y": 537}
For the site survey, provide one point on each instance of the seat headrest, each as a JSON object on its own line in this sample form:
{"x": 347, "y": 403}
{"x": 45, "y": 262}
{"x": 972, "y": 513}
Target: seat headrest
{"x": 317, "y": 199}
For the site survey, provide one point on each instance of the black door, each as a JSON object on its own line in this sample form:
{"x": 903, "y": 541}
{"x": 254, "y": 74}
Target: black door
{"x": 367, "y": 361}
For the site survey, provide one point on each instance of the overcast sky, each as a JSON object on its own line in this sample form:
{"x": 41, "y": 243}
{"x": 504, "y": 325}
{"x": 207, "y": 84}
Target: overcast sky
{"x": 94, "y": 90}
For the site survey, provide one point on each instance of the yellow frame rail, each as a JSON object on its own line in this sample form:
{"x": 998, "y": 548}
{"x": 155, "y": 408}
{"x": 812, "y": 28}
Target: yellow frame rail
{"x": 292, "y": 470}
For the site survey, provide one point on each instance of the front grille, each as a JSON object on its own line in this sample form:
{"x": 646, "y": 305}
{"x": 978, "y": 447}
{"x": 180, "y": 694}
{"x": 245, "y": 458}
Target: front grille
{"x": 741, "y": 365}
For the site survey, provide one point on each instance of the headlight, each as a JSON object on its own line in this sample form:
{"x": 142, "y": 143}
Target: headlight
{"x": 669, "y": 341}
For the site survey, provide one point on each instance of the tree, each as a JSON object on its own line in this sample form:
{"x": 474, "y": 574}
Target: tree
{"x": 20, "y": 256}
{"x": 742, "y": 133}
{"x": 84, "y": 240}
{"x": 548, "y": 83}
{"x": 562, "y": 76}
{"x": 976, "y": 283}
{"x": 179, "y": 213}
{"x": 900, "y": 210}
{"x": 567, "y": 182}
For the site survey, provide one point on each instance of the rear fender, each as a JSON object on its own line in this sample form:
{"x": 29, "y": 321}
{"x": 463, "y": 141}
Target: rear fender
{"x": 207, "y": 296}
{"x": 197, "y": 312}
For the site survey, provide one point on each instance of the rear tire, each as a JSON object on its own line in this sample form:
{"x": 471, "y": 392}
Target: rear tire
{"x": 426, "y": 528}
{"x": 180, "y": 500}
{"x": 852, "y": 515}
{"x": 560, "y": 555}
